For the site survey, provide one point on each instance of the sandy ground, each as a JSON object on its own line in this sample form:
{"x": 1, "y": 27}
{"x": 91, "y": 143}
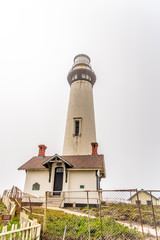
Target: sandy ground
{"x": 70, "y": 212}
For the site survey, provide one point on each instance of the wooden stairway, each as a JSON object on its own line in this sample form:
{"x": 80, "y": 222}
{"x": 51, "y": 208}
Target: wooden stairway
{"x": 54, "y": 201}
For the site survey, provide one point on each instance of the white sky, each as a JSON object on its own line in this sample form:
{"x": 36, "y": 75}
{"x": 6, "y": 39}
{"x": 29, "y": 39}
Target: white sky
{"x": 38, "y": 41}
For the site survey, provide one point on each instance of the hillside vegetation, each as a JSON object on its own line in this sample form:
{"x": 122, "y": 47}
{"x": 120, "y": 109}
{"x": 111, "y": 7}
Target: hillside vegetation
{"x": 126, "y": 212}
{"x": 77, "y": 227}
{"x": 3, "y": 210}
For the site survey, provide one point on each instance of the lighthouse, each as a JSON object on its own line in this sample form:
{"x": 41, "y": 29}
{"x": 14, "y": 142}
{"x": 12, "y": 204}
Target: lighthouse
{"x": 80, "y": 130}
{"x": 80, "y": 167}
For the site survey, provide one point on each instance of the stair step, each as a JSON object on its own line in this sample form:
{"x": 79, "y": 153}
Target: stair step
{"x": 54, "y": 201}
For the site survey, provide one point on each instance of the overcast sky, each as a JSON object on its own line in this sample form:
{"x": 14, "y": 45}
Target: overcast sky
{"x": 38, "y": 41}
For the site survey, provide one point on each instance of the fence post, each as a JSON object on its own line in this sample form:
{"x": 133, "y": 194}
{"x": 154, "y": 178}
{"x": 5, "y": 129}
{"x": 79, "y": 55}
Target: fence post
{"x": 154, "y": 219}
{"x": 20, "y": 206}
{"x": 11, "y": 193}
{"x": 45, "y": 213}
{"x": 4, "y": 229}
{"x": 14, "y": 235}
{"x": 64, "y": 234}
{"x": 100, "y": 214}
{"x": 30, "y": 206}
{"x": 139, "y": 207}
{"x": 38, "y": 232}
{"x": 89, "y": 233}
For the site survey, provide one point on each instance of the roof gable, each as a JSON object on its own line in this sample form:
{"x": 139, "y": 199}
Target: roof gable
{"x": 56, "y": 158}
{"x": 143, "y": 191}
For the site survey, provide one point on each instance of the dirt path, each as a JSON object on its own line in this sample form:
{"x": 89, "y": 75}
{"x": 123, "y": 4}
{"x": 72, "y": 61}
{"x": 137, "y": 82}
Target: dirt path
{"x": 146, "y": 229}
{"x": 70, "y": 212}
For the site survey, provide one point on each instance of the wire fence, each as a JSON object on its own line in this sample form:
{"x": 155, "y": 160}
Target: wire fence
{"x": 110, "y": 214}
{"x": 103, "y": 214}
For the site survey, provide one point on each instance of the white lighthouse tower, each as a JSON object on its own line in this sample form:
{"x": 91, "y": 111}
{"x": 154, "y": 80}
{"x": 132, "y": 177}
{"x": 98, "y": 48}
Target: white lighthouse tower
{"x": 80, "y": 167}
{"x": 80, "y": 126}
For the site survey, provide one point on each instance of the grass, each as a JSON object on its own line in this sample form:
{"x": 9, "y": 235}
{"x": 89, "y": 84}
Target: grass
{"x": 126, "y": 212}
{"x": 77, "y": 227}
{"x": 3, "y": 210}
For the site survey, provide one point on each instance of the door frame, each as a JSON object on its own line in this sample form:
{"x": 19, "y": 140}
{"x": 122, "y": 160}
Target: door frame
{"x": 55, "y": 176}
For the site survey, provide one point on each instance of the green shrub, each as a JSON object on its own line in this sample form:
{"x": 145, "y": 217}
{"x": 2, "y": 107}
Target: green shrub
{"x": 77, "y": 228}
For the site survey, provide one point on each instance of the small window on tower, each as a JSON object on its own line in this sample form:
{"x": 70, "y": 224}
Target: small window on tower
{"x": 76, "y": 128}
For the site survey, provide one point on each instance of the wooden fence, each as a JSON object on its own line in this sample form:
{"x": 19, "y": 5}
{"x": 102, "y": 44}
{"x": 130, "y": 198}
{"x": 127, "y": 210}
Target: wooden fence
{"x": 14, "y": 192}
{"x": 10, "y": 205}
{"x": 29, "y": 230}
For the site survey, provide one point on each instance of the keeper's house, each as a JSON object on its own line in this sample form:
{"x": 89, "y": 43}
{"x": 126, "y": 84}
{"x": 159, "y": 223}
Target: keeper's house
{"x": 144, "y": 198}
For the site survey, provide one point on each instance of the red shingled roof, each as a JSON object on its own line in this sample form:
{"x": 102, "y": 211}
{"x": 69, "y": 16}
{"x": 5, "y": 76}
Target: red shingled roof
{"x": 78, "y": 162}
{"x": 34, "y": 163}
{"x": 85, "y": 161}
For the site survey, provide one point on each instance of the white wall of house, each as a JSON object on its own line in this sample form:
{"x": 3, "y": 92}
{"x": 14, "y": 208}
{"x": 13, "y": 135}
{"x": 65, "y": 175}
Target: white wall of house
{"x": 39, "y": 176}
{"x": 82, "y": 177}
{"x": 143, "y": 198}
{"x": 42, "y": 177}
{"x": 76, "y": 179}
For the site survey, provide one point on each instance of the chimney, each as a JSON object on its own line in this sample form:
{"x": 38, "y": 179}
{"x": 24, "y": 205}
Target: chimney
{"x": 94, "y": 148}
{"x": 42, "y": 149}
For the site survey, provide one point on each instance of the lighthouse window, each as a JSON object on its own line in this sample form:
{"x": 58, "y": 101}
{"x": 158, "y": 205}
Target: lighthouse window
{"x": 74, "y": 77}
{"x": 76, "y": 128}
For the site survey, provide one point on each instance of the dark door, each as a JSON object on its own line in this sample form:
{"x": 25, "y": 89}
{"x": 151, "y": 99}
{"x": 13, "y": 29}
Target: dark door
{"x": 58, "y": 180}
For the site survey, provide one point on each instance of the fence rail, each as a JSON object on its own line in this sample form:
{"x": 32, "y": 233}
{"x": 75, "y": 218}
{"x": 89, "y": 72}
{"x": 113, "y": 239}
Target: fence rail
{"x": 10, "y": 205}
{"x": 29, "y": 229}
